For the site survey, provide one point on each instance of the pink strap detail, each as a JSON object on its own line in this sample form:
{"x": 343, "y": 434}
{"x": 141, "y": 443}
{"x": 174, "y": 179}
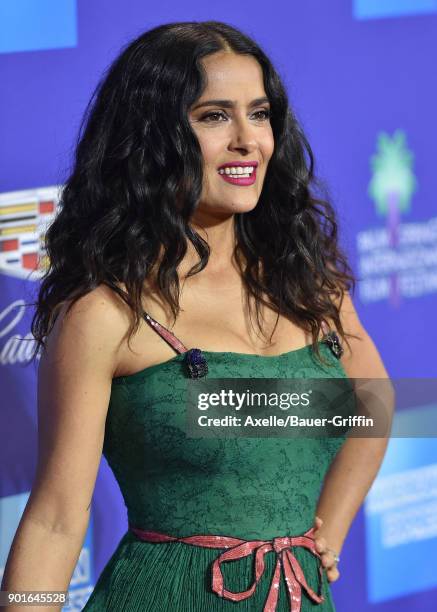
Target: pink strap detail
{"x": 293, "y": 573}
{"x": 165, "y": 333}
{"x": 325, "y": 327}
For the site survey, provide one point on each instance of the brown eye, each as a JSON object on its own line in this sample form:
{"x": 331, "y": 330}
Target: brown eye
{"x": 265, "y": 114}
{"x": 211, "y": 117}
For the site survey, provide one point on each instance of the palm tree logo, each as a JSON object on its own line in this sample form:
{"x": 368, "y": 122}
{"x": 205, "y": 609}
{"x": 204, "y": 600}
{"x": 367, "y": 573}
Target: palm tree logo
{"x": 391, "y": 188}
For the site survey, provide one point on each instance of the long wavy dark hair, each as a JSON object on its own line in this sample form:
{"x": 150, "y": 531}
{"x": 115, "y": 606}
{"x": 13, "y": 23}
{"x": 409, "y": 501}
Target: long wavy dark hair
{"x": 137, "y": 179}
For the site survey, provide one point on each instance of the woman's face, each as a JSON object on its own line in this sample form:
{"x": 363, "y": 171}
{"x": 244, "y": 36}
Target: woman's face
{"x": 231, "y": 121}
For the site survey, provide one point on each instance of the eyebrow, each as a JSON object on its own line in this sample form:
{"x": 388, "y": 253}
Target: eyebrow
{"x": 229, "y": 103}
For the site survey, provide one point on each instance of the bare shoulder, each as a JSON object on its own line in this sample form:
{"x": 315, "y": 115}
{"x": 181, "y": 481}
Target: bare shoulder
{"x": 361, "y": 359}
{"x": 94, "y": 328}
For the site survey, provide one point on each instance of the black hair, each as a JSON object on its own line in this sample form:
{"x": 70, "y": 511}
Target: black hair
{"x": 137, "y": 178}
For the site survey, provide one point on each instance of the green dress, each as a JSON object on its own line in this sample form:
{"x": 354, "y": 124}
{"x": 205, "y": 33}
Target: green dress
{"x": 248, "y": 488}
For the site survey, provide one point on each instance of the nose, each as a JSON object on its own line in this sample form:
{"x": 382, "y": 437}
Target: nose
{"x": 243, "y": 137}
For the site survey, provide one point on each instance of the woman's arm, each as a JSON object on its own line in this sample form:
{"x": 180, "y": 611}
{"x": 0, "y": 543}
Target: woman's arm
{"x": 74, "y": 383}
{"x": 357, "y": 463}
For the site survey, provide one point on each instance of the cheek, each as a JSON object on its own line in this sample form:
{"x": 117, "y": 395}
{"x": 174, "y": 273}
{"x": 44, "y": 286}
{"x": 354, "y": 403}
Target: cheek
{"x": 268, "y": 144}
{"x": 211, "y": 148}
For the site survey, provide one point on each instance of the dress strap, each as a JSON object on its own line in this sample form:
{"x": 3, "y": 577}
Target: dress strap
{"x": 171, "y": 339}
{"x": 332, "y": 340}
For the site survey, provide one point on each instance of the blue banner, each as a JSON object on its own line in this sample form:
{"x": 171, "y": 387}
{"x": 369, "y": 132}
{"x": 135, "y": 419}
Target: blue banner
{"x": 32, "y": 25}
{"x": 372, "y": 9}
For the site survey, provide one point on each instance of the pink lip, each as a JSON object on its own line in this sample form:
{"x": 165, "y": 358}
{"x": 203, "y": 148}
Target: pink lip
{"x": 242, "y": 182}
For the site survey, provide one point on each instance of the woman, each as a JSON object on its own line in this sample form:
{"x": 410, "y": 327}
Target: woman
{"x": 193, "y": 169}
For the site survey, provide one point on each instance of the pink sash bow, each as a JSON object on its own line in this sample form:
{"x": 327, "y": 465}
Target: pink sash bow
{"x": 293, "y": 573}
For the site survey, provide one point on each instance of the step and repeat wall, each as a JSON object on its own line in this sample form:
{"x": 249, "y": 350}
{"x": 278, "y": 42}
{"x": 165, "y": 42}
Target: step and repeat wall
{"x": 360, "y": 76}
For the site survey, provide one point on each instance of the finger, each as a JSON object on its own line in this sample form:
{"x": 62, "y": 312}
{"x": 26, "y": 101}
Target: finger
{"x": 333, "y": 574}
{"x": 320, "y": 544}
{"x": 328, "y": 560}
{"x": 318, "y": 522}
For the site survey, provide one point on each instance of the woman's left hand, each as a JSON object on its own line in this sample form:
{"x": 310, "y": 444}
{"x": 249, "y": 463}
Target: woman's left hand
{"x": 326, "y": 553}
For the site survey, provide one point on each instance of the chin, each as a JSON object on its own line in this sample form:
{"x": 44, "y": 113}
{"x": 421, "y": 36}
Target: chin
{"x": 230, "y": 207}
{"x": 244, "y": 207}
{"x": 234, "y": 207}
{"x": 241, "y": 202}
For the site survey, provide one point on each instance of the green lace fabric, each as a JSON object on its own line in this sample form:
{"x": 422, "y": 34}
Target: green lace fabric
{"x": 249, "y": 488}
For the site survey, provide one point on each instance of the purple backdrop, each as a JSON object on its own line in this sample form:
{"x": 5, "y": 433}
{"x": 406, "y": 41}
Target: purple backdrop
{"x": 363, "y": 89}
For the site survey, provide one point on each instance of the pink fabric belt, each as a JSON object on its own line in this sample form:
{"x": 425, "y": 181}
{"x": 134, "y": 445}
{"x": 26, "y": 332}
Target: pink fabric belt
{"x": 293, "y": 574}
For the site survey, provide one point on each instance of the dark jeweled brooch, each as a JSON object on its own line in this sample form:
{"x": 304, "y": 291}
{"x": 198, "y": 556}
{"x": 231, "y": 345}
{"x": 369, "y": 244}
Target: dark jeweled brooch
{"x": 196, "y": 363}
{"x": 333, "y": 342}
